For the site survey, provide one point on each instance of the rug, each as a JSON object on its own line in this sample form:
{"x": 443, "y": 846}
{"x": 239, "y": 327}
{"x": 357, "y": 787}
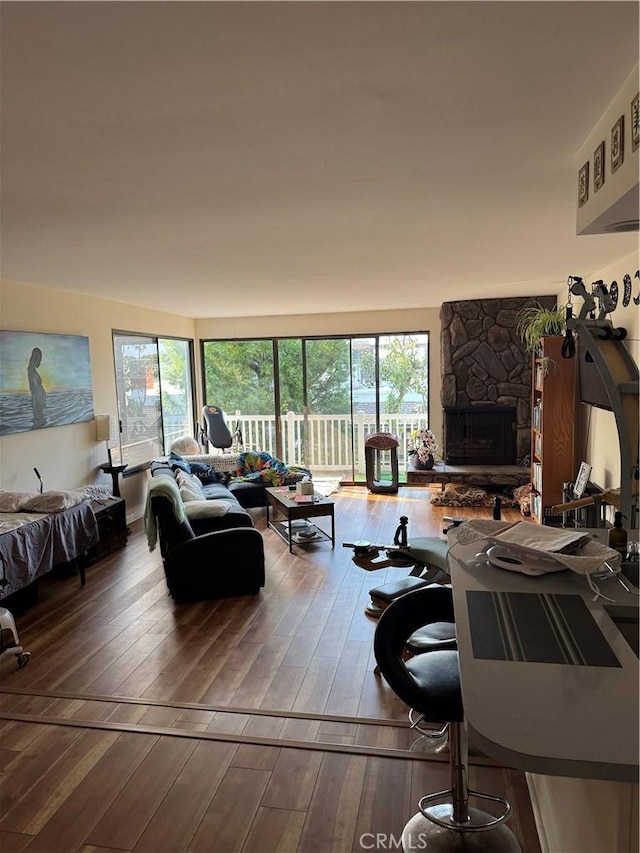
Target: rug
{"x": 459, "y": 494}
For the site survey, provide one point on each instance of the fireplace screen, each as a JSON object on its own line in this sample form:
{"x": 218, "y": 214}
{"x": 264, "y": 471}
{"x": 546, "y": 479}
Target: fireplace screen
{"x": 480, "y": 435}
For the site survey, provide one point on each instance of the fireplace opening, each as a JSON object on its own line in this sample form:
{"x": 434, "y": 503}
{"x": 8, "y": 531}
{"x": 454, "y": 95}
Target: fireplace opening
{"x": 480, "y": 435}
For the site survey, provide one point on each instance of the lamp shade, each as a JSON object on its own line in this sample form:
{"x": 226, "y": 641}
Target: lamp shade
{"x": 103, "y": 428}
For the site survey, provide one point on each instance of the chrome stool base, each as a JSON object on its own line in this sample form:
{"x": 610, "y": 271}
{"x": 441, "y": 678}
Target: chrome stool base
{"x": 431, "y": 740}
{"x": 422, "y": 834}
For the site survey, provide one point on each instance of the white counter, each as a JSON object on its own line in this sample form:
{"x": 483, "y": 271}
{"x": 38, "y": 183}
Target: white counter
{"x": 557, "y": 719}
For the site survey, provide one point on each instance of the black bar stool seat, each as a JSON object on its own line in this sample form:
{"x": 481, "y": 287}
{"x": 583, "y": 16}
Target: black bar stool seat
{"x": 430, "y": 683}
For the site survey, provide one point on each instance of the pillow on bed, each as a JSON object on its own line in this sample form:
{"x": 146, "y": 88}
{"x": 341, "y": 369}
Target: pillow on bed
{"x": 53, "y": 501}
{"x": 12, "y": 501}
{"x": 190, "y": 487}
{"x": 208, "y": 509}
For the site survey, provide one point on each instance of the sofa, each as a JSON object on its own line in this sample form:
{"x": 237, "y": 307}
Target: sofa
{"x": 244, "y": 476}
{"x": 209, "y": 546}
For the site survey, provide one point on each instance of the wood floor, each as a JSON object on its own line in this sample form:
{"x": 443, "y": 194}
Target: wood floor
{"x": 248, "y": 724}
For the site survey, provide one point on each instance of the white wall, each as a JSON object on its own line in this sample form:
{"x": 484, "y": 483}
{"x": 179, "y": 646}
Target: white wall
{"x": 598, "y": 443}
{"x": 68, "y": 456}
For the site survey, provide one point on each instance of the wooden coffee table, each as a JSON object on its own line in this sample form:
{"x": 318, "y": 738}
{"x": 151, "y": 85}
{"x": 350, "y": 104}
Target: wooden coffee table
{"x": 281, "y": 500}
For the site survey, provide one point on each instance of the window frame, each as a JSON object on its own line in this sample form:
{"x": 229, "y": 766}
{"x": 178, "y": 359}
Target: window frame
{"x": 155, "y": 340}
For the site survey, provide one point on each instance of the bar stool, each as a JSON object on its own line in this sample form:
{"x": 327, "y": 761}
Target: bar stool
{"x": 437, "y": 636}
{"x": 430, "y": 683}
{"x": 431, "y": 637}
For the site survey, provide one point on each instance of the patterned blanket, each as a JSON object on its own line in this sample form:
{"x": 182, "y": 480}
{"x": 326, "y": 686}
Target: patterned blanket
{"x": 265, "y": 468}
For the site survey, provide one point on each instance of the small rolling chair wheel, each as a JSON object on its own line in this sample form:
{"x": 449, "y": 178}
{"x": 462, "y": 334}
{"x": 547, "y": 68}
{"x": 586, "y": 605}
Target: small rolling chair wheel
{"x": 23, "y": 659}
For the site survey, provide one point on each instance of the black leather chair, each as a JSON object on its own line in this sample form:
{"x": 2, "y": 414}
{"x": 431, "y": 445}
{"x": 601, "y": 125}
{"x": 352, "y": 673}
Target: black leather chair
{"x": 215, "y": 427}
{"x": 223, "y": 562}
{"x": 430, "y": 683}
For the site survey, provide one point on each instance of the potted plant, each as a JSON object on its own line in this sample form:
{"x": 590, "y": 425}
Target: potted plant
{"x": 536, "y": 322}
{"x": 421, "y": 447}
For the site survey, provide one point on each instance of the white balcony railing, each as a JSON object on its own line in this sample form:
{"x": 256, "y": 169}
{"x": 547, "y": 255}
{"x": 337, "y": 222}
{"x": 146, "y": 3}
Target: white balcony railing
{"x": 326, "y": 444}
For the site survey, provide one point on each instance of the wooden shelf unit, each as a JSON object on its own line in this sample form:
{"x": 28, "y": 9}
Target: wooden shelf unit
{"x": 553, "y": 419}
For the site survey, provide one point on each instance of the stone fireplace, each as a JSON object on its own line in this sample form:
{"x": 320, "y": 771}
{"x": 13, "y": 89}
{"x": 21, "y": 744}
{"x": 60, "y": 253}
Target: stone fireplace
{"x": 480, "y": 435}
{"x": 485, "y": 367}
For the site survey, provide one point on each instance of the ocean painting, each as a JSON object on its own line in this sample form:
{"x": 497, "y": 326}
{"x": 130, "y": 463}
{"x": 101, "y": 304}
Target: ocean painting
{"x": 45, "y": 381}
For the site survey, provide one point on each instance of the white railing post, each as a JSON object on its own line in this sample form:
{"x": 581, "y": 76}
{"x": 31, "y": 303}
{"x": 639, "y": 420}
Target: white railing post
{"x": 359, "y": 443}
{"x": 290, "y": 420}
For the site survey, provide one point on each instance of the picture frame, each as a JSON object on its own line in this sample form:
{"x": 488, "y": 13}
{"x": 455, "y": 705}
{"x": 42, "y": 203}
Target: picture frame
{"x": 581, "y": 480}
{"x": 45, "y": 381}
{"x": 598, "y": 167}
{"x": 635, "y": 122}
{"x": 617, "y": 144}
{"x": 583, "y": 184}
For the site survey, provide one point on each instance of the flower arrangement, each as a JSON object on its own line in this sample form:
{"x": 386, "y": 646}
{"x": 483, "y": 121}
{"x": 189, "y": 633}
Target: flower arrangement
{"x": 422, "y": 443}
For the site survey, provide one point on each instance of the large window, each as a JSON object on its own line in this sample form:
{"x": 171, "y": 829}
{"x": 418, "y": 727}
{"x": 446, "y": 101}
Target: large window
{"x": 314, "y": 401}
{"x": 154, "y": 382}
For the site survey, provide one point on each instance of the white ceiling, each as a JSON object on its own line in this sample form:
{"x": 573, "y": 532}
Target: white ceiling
{"x": 219, "y": 159}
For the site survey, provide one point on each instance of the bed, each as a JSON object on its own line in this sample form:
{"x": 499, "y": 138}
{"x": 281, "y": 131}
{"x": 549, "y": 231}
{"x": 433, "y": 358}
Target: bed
{"x": 32, "y": 543}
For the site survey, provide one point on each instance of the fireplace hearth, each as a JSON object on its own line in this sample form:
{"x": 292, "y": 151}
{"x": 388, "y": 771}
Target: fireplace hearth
{"x": 480, "y": 435}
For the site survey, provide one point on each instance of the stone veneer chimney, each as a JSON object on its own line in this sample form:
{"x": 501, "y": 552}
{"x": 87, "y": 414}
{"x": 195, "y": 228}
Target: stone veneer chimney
{"x": 484, "y": 362}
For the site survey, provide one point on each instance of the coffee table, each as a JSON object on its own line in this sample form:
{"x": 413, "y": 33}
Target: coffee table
{"x": 281, "y": 500}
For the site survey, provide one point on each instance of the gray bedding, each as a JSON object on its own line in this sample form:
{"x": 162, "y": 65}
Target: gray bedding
{"x": 31, "y": 544}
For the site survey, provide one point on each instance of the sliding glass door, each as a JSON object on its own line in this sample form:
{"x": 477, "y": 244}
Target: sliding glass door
{"x": 313, "y": 402}
{"x": 239, "y": 379}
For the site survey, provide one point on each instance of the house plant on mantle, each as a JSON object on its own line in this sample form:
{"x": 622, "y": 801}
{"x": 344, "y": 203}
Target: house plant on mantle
{"x": 422, "y": 445}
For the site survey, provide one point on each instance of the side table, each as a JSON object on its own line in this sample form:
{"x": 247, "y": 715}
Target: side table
{"x": 115, "y": 471}
{"x": 112, "y": 528}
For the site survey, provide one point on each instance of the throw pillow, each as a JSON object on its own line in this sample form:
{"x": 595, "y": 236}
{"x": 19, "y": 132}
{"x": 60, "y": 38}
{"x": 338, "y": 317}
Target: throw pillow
{"x": 12, "y": 501}
{"x": 190, "y": 487}
{"x": 208, "y": 509}
{"x": 177, "y": 462}
{"x": 53, "y": 501}
{"x": 205, "y": 473}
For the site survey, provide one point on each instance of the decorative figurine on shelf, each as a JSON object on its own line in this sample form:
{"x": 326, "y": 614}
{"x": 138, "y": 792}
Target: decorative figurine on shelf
{"x": 421, "y": 448}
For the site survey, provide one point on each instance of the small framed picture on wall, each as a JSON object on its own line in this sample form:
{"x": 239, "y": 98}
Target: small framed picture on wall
{"x": 617, "y": 144}
{"x": 598, "y": 167}
{"x": 635, "y": 122}
{"x": 583, "y": 185}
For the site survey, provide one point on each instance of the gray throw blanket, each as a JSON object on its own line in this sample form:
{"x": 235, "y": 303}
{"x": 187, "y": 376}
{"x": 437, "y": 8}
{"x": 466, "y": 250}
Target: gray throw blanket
{"x": 161, "y": 486}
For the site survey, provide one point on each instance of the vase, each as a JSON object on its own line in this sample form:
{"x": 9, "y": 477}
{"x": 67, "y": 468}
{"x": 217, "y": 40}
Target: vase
{"x": 423, "y": 466}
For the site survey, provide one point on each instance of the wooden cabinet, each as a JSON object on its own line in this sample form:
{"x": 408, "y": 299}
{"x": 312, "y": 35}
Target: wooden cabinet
{"x": 553, "y": 423}
{"x": 112, "y": 528}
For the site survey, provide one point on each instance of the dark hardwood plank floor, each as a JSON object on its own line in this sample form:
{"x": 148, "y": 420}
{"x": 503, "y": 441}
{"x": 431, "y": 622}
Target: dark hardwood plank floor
{"x": 249, "y": 724}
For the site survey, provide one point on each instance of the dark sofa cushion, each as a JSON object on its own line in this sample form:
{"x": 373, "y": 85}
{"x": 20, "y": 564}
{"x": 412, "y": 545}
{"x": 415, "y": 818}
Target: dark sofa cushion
{"x": 216, "y": 491}
{"x": 250, "y": 495}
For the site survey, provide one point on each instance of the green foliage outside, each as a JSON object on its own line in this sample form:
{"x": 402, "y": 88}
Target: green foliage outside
{"x": 403, "y": 370}
{"x": 239, "y": 376}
